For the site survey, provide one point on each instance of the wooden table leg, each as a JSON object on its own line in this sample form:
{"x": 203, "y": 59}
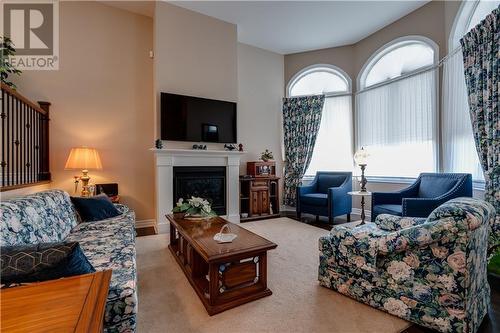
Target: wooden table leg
{"x": 263, "y": 270}
{"x": 213, "y": 284}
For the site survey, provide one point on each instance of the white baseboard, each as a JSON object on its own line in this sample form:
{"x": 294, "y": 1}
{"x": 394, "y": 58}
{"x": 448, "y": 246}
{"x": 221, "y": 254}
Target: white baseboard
{"x": 145, "y": 223}
{"x": 163, "y": 228}
{"x": 356, "y": 211}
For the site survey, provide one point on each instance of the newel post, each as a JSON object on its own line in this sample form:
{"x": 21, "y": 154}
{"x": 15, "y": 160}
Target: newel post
{"x": 44, "y": 143}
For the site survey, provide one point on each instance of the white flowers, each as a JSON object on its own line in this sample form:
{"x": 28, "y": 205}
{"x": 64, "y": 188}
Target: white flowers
{"x": 396, "y": 307}
{"x": 201, "y": 203}
{"x": 399, "y": 270}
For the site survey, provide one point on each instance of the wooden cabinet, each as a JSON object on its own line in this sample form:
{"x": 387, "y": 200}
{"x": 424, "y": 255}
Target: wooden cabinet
{"x": 259, "y": 197}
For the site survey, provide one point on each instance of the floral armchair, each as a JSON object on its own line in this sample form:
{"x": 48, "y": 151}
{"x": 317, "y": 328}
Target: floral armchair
{"x": 431, "y": 271}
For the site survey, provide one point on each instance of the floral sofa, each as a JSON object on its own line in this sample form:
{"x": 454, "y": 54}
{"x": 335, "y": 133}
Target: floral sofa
{"x": 431, "y": 271}
{"x": 49, "y": 216}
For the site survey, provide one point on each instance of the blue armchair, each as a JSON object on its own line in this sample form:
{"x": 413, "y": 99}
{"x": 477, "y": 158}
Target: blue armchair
{"x": 326, "y": 195}
{"x": 428, "y": 192}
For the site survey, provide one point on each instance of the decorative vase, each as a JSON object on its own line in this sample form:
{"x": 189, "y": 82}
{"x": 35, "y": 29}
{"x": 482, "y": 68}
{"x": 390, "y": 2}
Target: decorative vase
{"x": 197, "y": 217}
{"x": 179, "y": 215}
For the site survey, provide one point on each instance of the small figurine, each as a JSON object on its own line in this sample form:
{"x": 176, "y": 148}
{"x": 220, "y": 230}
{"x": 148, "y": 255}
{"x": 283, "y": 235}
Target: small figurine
{"x": 266, "y": 156}
{"x": 229, "y": 147}
{"x": 199, "y": 147}
{"x": 158, "y": 144}
{"x": 240, "y": 147}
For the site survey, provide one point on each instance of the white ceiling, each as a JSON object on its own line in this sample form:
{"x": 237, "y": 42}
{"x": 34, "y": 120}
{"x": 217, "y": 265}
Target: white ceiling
{"x": 294, "y": 26}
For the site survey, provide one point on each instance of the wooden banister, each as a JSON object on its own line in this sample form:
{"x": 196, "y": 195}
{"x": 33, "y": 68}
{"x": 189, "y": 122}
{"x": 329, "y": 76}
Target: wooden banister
{"x": 25, "y": 141}
{"x": 26, "y": 101}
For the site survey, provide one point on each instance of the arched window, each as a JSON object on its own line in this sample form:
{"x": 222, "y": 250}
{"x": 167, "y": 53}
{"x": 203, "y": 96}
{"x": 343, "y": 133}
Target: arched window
{"x": 398, "y": 58}
{"x": 333, "y": 147}
{"x": 319, "y": 80}
{"x": 396, "y": 108}
{"x": 459, "y": 149}
{"x": 468, "y": 16}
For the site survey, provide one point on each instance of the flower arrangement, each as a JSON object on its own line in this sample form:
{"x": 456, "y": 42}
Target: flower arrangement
{"x": 266, "y": 155}
{"x": 194, "y": 207}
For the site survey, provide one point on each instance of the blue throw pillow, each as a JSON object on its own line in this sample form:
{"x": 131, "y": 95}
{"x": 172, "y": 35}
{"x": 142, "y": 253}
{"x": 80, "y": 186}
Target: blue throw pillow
{"x": 95, "y": 208}
{"x": 41, "y": 262}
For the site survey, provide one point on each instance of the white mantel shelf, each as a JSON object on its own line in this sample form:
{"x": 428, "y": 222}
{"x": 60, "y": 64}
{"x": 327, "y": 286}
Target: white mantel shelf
{"x": 167, "y": 159}
{"x": 196, "y": 152}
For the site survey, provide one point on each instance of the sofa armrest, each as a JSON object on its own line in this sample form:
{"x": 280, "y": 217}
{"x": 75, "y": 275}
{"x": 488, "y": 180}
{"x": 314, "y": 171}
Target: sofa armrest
{"x": 395, "y": 198}
{"x": 301, "y": 190}
{"x": 122, "y": 208}
{"x": 394, "y": 223}
{"x": 421, "y": 235}
{"x": 356, "y": 248}
{"x": 421, "y": 207}
{"x": 381, "y": 198}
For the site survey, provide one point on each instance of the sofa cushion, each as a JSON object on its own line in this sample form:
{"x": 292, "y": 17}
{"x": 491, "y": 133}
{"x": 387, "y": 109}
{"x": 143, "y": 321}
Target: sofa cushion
{"x": 325, "y": 181}
{"x": 315, "y": 199}
{"x": 43, "y": 217}
{"x": 387, "y": 209}
{"x": 110, "y": 244}
{"x": 433, "y": 187}
{"x": 95, "y": 208}
{"x": 41, "y": 262}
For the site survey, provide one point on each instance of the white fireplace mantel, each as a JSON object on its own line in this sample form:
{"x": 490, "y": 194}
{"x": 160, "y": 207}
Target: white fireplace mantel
{"x": 167, "y": 159}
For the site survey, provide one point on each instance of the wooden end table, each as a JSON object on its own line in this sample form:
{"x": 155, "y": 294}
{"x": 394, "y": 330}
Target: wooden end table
{"x": 223, "y": 275}
{"x": 73, "y": 304}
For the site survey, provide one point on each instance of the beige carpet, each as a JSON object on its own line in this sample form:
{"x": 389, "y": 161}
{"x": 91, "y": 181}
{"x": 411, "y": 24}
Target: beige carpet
{"x": 167, "y": 303}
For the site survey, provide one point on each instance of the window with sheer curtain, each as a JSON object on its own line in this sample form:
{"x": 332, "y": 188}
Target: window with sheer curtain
{"x": 459, "y": 149}
{"x": 396, "y": 110}
{"x": 333, "y": 148}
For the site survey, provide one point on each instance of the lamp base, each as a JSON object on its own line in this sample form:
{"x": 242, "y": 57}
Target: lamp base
{"x": 363, "y": 178}
{"x": 85, "y": 183}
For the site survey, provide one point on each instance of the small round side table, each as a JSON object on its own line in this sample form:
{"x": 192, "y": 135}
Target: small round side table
{"x": 361, "y": 194}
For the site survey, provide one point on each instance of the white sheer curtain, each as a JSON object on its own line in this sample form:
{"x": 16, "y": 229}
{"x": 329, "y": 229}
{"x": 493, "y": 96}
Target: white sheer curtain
{"x": 333, "y": 148}
{"x": 397, "y": 125}
{"x": 459, "y": 150}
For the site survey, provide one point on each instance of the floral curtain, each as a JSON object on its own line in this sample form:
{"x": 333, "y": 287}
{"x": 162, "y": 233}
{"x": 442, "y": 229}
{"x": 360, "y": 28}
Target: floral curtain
{"x": 301, "y": 120}
{"x": 482, "y": 74}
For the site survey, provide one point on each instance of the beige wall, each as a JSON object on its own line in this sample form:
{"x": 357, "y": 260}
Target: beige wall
{"x": 341, "y": 57}
{"x": 194, "y": 55}
{"x": 427, "y": 21}
{"x": 102, "y": 96}
{"x": 260, "y": 86}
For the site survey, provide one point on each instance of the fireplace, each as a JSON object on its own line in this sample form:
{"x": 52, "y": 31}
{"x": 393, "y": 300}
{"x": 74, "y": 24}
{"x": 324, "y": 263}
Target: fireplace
{"x": 167, "y": 159}
{"x": 208, "y": 182}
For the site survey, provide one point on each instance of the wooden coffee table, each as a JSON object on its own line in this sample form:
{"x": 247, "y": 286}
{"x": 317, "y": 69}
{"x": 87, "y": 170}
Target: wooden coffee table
{"x": 223, "y": 275}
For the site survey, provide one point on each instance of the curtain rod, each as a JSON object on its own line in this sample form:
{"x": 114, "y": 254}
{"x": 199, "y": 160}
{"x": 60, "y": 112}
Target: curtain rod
{"x": 418, "y": 72}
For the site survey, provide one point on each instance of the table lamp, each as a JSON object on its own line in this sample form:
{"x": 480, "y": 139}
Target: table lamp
{"x": 83, "y": 158}
{"x": 361, "y": 159}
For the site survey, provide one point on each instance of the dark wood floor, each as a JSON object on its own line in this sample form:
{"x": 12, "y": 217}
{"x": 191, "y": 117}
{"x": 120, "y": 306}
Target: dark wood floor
{"x": 491, "y": 324}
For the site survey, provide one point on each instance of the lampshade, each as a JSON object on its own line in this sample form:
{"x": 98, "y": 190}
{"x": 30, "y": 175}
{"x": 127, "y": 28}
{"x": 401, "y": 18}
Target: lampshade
{"x": 361, "y": 157}
{"x": 83, "y": 158}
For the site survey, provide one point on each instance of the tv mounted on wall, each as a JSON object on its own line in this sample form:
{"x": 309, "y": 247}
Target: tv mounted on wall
{"x": 195, "y": 119}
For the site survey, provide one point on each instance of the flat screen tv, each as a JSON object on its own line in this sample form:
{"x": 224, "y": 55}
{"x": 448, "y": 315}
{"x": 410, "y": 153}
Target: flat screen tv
{"x": 195, "y": 119}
